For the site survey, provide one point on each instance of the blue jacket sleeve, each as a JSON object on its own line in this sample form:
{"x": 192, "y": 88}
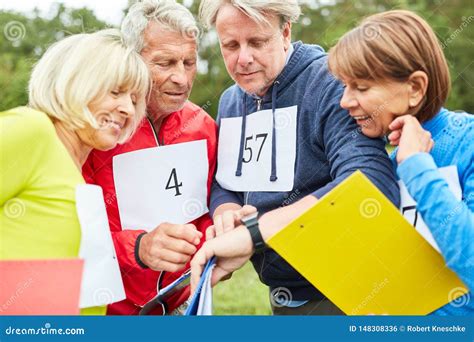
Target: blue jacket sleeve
{"x": 451, "y": 221}
{"x": 348, "y": 150}
{"x": 220, "y": 196}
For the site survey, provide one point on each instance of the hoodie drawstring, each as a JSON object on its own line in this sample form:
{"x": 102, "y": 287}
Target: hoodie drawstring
{"x": 238, "y": 172}
{"x": 273, "y": 175}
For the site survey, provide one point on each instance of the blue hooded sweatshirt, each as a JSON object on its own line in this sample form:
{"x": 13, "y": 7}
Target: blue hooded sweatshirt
{"x": 329, "y": 148}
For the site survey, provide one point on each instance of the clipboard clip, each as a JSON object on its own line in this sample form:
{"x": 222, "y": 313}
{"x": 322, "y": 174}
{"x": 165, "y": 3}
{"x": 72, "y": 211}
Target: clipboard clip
{"x": 165, "y": 293}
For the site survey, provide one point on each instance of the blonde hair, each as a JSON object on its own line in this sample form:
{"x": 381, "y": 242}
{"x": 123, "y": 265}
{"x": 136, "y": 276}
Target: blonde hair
{"x": 286, "y": 10}
{"x": 169, "y": 13}
{"x": 84, "y": 68}
{"x": 391, "y": 46}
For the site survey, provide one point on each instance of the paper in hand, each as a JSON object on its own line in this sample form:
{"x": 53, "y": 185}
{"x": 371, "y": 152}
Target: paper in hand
{"x": 201, "y": 302}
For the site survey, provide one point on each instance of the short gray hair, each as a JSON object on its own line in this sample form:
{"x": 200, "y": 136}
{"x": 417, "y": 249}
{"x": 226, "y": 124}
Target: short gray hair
{"x": 168, "y": 13}
{"x": 287, "y": 10}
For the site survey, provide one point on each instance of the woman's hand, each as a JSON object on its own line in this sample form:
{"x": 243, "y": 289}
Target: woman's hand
{"x": 233, "y": 249}
{"x": 410, "y": 137}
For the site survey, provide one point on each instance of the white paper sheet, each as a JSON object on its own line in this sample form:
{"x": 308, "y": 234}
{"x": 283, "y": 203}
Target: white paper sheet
{"x": 408, "y": 204}
{"x": 162, "y": 184}
{"x": 101, "y": 282}
{"x": 205, "y": 299}
{"x": 256, "y": 169}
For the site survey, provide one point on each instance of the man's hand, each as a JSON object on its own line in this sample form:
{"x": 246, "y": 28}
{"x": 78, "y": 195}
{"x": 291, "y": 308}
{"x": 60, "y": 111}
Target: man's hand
{"x": 228, "y": 220}
{"x": 169, "y": 247}
{"x": 233, "y": 250}
{"x": 410, "y": 137}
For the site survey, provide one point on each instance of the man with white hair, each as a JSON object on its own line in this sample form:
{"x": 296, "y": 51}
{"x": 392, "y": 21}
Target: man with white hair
{"x": 165, "y": 34}
{"x": 284, "y": 141}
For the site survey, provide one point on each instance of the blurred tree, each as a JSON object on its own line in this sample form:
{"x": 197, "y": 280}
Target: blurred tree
{"x": 26, "y": 38}
{"x": 322, "y": 22}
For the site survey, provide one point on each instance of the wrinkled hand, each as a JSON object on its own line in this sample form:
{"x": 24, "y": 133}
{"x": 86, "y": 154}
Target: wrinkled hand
{"x": 228, "y": 220}
{"x": 233, "y": 249}
{"x": 410, "y": 137}
{"x": 169, "y": 247}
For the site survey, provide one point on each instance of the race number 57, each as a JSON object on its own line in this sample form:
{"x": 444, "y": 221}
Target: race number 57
{"x": 249, "y": 143}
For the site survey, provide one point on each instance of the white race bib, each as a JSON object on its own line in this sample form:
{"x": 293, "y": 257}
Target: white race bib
{"x": 408, "y": 204}
{"x": 162, "y": 184}
{"x": 257, "y": 156}
{"x": 101, "y": 281}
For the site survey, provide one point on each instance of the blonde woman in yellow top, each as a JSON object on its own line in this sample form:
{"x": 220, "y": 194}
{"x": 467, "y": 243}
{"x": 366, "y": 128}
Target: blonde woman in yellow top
{"x": 86, "y": 92}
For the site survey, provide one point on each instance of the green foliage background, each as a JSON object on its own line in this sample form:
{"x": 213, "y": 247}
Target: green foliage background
{"x": 322, "y": 22}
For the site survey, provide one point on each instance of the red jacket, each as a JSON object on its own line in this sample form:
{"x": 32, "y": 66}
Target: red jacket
{"x": 189, "y": 124}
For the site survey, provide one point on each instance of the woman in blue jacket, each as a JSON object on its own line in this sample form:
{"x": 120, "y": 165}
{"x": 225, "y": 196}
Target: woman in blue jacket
{"x": 397, "y": 81}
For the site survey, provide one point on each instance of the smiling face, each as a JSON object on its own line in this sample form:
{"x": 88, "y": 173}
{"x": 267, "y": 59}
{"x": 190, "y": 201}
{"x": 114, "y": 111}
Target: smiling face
{"x": 374, "y": 105}
{"x": 171, "y": 59}
{"x": 254, "y": 54}
{"x": 114, "y": 113}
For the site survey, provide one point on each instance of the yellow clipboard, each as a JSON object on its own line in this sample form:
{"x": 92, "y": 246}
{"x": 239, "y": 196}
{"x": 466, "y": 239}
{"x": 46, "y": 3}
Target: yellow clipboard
{"x": 358, "y": 250}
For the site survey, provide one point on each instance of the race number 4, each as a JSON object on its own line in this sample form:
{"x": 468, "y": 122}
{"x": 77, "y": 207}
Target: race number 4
{"x": 174, "y": 178}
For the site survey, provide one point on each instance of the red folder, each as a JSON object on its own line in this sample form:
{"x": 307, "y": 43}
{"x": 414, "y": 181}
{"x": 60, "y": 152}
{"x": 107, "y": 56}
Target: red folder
{"x": 40, "y": 287}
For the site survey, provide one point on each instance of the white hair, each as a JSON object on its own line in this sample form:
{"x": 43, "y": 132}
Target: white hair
{"x": 169, "y": 13}
{"x": 84, "y": 68}
{"x": 286, "y": 10}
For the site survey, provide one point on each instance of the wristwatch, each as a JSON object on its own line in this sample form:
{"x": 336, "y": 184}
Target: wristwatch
{"x": 251, "y": 222}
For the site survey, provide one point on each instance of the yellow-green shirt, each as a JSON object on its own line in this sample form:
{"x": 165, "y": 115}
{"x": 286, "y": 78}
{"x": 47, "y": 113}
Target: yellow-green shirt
{"x": 38, "y": 179}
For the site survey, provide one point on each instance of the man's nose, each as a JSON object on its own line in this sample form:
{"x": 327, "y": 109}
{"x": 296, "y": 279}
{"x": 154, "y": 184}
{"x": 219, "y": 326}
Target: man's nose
{"x": 245, "y": 56}
{"x": 179, "y": 75}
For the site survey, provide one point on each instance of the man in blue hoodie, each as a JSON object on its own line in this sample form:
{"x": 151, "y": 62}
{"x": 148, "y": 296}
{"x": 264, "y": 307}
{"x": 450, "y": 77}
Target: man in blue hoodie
{"x": 284, "y": 141}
